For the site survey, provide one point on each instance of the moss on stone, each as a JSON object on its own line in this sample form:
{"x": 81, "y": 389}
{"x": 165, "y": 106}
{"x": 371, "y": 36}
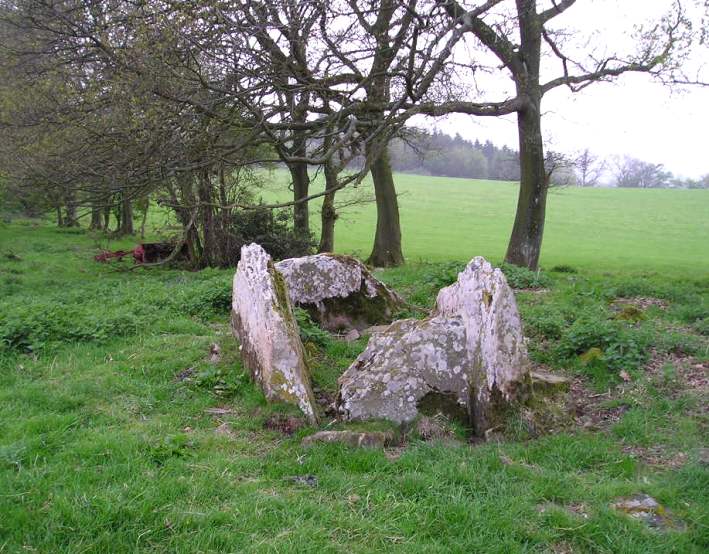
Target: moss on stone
{"x": 446, "y": 403}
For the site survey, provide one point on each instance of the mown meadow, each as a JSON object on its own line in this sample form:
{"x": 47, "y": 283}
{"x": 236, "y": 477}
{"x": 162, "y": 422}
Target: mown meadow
{"x": 119, "y": 434}
{"x": 598, "y": 229}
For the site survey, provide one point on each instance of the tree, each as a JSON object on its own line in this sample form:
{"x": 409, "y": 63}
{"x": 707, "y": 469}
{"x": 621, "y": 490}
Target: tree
{"x": 558, "y": 169}
{"x": 589, "y": 168}
{"x": 518, "y": 34}
{"x": 633, "y": 173}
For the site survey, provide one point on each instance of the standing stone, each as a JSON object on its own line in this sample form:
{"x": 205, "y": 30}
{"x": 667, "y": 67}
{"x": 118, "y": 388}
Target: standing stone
{"x": 499, "y": 368}
{"x": 263, "y": 322}
{"x": 469, "y": 356}
{"x": 338, "y": 291}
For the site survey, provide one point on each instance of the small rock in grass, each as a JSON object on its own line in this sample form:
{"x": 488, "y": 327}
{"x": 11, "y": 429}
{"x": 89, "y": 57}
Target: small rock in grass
{"x": 225, "y": 430}
{"x": 648, "y": 510}
{"x": 369, "y": 439}
{"x": 703, "y": 456}
{"x": 546, "y": 382}
{"x": 215, "y": 353}
{"x": 352, "y": 335}
{"x": 309, "y": 480}
{"x": 185, "y": 374}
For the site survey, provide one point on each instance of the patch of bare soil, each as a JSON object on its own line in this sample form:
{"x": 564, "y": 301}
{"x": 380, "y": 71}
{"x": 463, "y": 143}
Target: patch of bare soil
{"x": 185, "y": 374}
{"x": 225, "y": 430}
{"x": 284, "y": 424}
{"x": 596, "y": 410}
{"x": 533, "y": 291}
{"x": 691, "y": 373}
{"x": 590, "y": 409}
{"x": 639, "y": 302}
{"x": 326, "y": 400}
{"x": 657, "y": 455}
{"x": 562, "y": 548}
{"x": 678, "y": 374}
{"x": 575, "y": 509}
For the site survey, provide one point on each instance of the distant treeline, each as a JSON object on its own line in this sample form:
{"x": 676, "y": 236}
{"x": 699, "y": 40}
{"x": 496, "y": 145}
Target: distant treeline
{"x": 446, "y": 156}
{"x": 439, "y": 154}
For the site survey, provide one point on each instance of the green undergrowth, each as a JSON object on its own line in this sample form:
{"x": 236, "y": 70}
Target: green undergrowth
{"x": 119, "y": 434}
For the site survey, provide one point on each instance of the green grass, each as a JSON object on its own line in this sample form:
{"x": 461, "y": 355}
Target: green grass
{"x": 104, "y": 447}
{"x": 596, "y": 229}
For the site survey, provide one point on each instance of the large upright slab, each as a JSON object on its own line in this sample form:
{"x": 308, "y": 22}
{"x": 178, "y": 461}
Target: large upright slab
{"x": 469, "y": 354}
{"x": 263, "y": 322}
{"x": 339, "y": 291}
{"x": 499, "y": 366}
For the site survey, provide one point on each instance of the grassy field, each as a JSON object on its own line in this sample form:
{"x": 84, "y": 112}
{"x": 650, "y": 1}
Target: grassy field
{"x": 118, "y": 435}
{"x": 606, "y": 229}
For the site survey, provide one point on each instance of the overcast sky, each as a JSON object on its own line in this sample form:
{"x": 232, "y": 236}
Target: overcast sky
{"x": 634, "y": 116}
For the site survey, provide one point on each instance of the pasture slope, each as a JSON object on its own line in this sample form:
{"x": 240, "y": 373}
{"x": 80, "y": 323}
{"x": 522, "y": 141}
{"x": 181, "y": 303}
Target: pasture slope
{"x": 591, "y": 228}
{"x": 117, "y": 434}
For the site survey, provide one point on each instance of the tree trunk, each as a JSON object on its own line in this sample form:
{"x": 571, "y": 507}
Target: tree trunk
{"x": 106, "y": 217}
{"x": 387, "y": 239}
{"x": 118, "y": 214}
{"x": 301, "y": 184}
{"x": 210, "y": 246}
{"x": 145, "y": 218}
{"x": 95, "y": 218}
{"x": 126, "y": 227}
{"x": 328, "y": 214}
{"x": 60, "y": 216}
{"x": 526, "y": 240}
{"x": 70, "y": 217}
{"x": 186, "y": 197}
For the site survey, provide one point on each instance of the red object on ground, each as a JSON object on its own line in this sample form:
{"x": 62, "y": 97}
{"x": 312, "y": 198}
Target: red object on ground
{"x": 148, "y": 252}
{"x": 139, "y": 254}
{"x": 107, "y": 255}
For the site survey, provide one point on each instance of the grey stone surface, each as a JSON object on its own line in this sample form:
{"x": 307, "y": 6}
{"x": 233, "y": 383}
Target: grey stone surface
{"x": 263, "y": 322}
{"x": 401, "y": 366}
{"x": 368, "y": 439}
{"x": 338, "y": 291}
{"x": 499, "y": 365}
{"x": 471, "y": 352}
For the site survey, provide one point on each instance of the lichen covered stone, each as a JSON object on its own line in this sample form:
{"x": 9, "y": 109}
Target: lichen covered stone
{"x": 499, "y": 365}
{"x": 362, "y": 439}
{"x": 263, "y": 322}
{"x": 401, "y": 366}
{"x": 338, "y": 291}
{"x": 470, "y": 354}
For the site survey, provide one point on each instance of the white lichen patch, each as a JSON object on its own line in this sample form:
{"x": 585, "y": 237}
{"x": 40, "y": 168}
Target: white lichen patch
{"x": 486, "y": 304}
{"x": 311, "y": 279}
{"x": 403, "y": 364}
{"x": 340, "y": 291}
{"x": 263, "y": 322}
{"x": 473, "y": 343}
